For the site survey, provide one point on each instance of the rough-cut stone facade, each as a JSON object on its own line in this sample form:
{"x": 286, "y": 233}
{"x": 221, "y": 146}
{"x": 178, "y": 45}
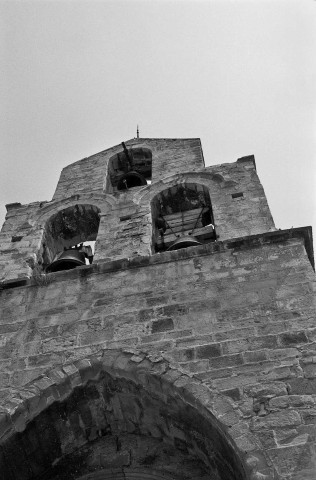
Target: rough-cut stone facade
{"x": 196, "y": 363}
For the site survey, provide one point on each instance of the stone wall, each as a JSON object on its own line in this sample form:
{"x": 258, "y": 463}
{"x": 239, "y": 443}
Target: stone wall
{"x": 196, "y": 363}
{"x": 170, "y": 156}
{"x": 239, "y": 317}
{"x": 238, "y": 200}
{"x": 124, "y": 416}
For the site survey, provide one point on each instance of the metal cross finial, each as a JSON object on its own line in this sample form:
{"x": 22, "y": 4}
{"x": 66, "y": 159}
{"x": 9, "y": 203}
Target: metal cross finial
{"x": 137, "y": 132}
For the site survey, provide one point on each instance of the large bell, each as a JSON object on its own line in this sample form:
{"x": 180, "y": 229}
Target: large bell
{"x": 68, "y": 259}
{"x": 130, "y": 180}
{"x": 184, "y": 242}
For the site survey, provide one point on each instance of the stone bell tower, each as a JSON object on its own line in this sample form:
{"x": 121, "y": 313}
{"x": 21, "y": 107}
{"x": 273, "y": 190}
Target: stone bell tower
{"x": 155, "y": 324}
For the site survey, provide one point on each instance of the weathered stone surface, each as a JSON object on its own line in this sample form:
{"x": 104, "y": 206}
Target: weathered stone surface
{"x": 219, "y": 338}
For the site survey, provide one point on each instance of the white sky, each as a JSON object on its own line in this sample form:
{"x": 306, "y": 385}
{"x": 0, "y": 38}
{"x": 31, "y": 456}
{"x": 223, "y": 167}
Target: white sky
{"x": 77, "y": 77}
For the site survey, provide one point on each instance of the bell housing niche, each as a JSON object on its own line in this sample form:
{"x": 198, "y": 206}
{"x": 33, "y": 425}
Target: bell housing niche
{"x": 182, "y": 217}
{"x": 68, "y": 238}
{"x": 130, "y": 168}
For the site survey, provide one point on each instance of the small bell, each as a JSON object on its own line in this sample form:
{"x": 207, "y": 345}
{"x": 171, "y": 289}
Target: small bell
{"x": 67, "y": 260}
{"x": 184, "y": 242}
{"x": 130, "y": 180}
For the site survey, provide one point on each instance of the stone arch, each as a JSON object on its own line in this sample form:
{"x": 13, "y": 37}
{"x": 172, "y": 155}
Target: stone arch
{"x": 104, "y": 202}
{"x": 128, "y": 474}
{"x": 69, "y": 234}
{"x": 182, "y": 216}
{"x": 214, "y": 182}
{"x": 128, "y": 168}
{"x": 95, "y": 206}
{"x": 146, "y": 194}
{"x": 60, "y": 425}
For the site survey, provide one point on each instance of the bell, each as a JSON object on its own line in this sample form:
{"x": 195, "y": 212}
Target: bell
{"x": 184, "y": 242}
{"x": 67, "y": 260}
{"x": 130, "y": 180}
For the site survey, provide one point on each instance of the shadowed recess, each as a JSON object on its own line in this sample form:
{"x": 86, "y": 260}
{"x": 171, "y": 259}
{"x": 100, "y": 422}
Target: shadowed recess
{"x": 114, "y": 423}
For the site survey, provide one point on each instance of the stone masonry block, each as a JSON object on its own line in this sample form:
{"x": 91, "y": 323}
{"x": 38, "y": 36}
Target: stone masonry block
{"x": 162, "y": 325}
{"x": 281, "y": 419}
{"x": 208, "y": 351}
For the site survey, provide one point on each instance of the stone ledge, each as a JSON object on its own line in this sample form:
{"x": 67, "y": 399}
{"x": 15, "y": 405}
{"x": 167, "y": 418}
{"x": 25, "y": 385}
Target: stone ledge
{"x": 12, "y": 206}
{"x": 247, "y": 159}
{"x": 239, "y": 243}
{"x": 13, "y": 283}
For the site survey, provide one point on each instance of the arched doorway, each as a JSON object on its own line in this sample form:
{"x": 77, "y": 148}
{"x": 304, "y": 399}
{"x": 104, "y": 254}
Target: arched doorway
{"x": 121, "y": 416}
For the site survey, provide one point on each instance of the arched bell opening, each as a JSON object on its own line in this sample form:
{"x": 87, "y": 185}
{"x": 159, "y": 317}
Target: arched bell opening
{"x": 130, "y": 168}
{"x": 69, "y": 238}
{"x": 116, "y": 424}
{"x": 182, "y": 217}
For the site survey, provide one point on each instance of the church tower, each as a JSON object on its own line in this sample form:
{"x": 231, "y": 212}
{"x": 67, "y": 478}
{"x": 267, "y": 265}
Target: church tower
{"x": 155, "y": 324}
